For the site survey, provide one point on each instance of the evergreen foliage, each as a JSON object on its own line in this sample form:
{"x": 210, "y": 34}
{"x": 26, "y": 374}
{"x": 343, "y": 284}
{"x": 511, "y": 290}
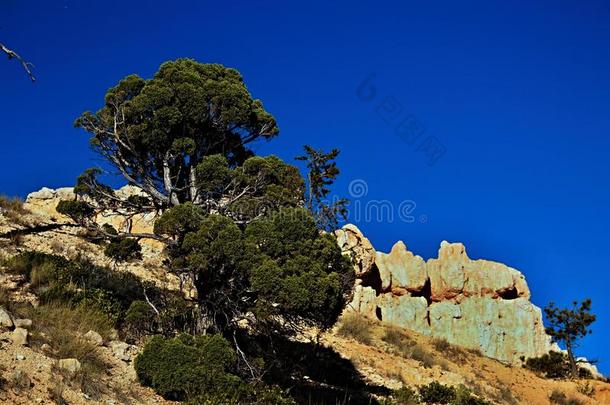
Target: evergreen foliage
{"x": 568, "y": 325}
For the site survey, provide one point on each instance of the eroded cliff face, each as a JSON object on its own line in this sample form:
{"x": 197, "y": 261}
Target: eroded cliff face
{"x": 473, "y": 303}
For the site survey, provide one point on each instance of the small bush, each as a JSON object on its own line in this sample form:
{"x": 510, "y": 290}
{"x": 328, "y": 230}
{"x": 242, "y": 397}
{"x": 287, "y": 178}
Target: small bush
{"x": 17, "y": 239}
{"x": 559, "y": 398}
{"x": 79, "y": 211}
{"x": 56, "y": 391}
{"x": 123, "y": 249}
{"x": 356, "y": 327}
{"x": 139, "y": 319}
{"x": 62, "y": 327}
{"x": 109, "y": 230}
{"x": 436, "y": 393}
{"x": 452, "y": 352}
{"x": 406, "y": 396}
{"x": 5, "y": 298}
{"x": 475, "y": 351}
{"x": 186, "y": 367}
{"x": 464, "y": 396}
{"x": 586, "y": 388}
{"x": 12, "y": 209}
{"x": 423, "y": 356}
{"x": 395, "y": 337}
{"x": 507, "y": 396}
{"x": 551, "y": 365}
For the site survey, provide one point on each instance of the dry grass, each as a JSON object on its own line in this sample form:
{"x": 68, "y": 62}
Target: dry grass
{"x": 586, "y": 388}
{"x": 559, "y": 398}
{"x": 5, "y": 298}
{"x": 399, "y": 340}
{"x": 475, "y": 351}
{"x": 426, "y": 358}
{"x": 56, "y": 391}
{"x": 57, "y": 246}
{"x": 62, "y": 327}
{"x": 506, "y": 396}
{"x": 19, "y": 381}
{"x": 13, "y": 210}
{"x": 17, "y": 239}
{"x": 454, "y": 353}
{"x": 356, "y": 327}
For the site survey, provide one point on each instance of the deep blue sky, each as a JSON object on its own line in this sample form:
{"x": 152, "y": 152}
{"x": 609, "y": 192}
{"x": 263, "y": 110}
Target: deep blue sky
{"x": 518, "y": 93}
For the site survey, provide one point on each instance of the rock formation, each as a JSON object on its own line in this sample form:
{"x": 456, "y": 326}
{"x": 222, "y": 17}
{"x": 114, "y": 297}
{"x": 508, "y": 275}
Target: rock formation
{"x": 45, "y": 200}
{"x": 477, "y": 304}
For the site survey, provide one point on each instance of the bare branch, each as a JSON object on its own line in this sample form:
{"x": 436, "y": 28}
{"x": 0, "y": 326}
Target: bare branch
{"x": 13, "y": 55}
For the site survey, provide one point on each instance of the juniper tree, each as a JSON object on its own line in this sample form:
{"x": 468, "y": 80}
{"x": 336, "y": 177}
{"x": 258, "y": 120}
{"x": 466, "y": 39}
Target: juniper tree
{"x": 156, "y": 132}
{"x": 232, "y": 221}
{"x": 279, "y": 267}
{"x": 568, "y": 325}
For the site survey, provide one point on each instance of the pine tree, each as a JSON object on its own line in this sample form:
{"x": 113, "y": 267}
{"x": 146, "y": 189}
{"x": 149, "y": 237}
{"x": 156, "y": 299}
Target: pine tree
{"x": 323, "y": 171}
{"x": 568, "y": 325}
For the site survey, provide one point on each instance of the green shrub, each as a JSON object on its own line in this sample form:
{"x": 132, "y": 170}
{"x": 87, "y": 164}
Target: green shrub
{"x": 405, "y": 396}
{"x": 139, "y": 318}
{"x": 56, "y": 279}
{"x": 124, "y": 249}
{"x": 110, "y": 230}
{"x": 554, "y": 365}
{"x": 79, "y": 211}
{"x": 436, "y": 393}
{"x": 356, "y": 327}
{"x": 186, "y": 367}
{"x": 464, "y": 396}
{"x": 260, "y": 394}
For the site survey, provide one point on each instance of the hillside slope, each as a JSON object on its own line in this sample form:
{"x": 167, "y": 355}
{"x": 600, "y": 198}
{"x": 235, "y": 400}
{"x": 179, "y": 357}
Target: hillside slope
{"x": 384, "y": 356}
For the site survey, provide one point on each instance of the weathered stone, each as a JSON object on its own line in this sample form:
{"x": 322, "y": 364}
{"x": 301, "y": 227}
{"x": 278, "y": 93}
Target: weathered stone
{"x": 473, "y": 303}
{"x": 364, "y": 301}
{"x": 94, "y": 337}
{"x": 400, "y": 270}
{"x": 20, "y": 336}
{"x": 19, "y": 357}
{"x": 501, "y": 329}
{"x": 72, "y": 365}
{"x": 23, "y": 323}
{"x": 404, "y": 311}
{"x": 44, "y": 193}
{"x": 120, "y": 350}
{"x": 5, "y": 319}
{"x": 446, "y": 273}
{"x": 359, "y": 249}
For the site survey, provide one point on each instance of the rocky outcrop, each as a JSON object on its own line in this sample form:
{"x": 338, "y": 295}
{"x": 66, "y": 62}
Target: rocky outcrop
{"x": 473, "y": 303}
{"x": 44, "y": 202}
{"x": 358, "y": 248}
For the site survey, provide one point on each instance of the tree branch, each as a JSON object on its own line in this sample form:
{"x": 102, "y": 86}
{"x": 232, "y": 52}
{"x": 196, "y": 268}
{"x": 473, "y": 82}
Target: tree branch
{"x": 13, "y": 55}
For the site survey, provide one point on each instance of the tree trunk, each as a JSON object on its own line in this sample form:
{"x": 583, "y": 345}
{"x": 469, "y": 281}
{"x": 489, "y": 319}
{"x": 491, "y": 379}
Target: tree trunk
{"x": 167, "y": 182}
{"x": 205, "y": 321}
{"x": 573, "y": 366}
{"x": 193, "y": 187}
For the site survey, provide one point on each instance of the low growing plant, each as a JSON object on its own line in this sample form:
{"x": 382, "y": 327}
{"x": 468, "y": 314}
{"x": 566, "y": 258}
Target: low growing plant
{"x": 356, "y": 327}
